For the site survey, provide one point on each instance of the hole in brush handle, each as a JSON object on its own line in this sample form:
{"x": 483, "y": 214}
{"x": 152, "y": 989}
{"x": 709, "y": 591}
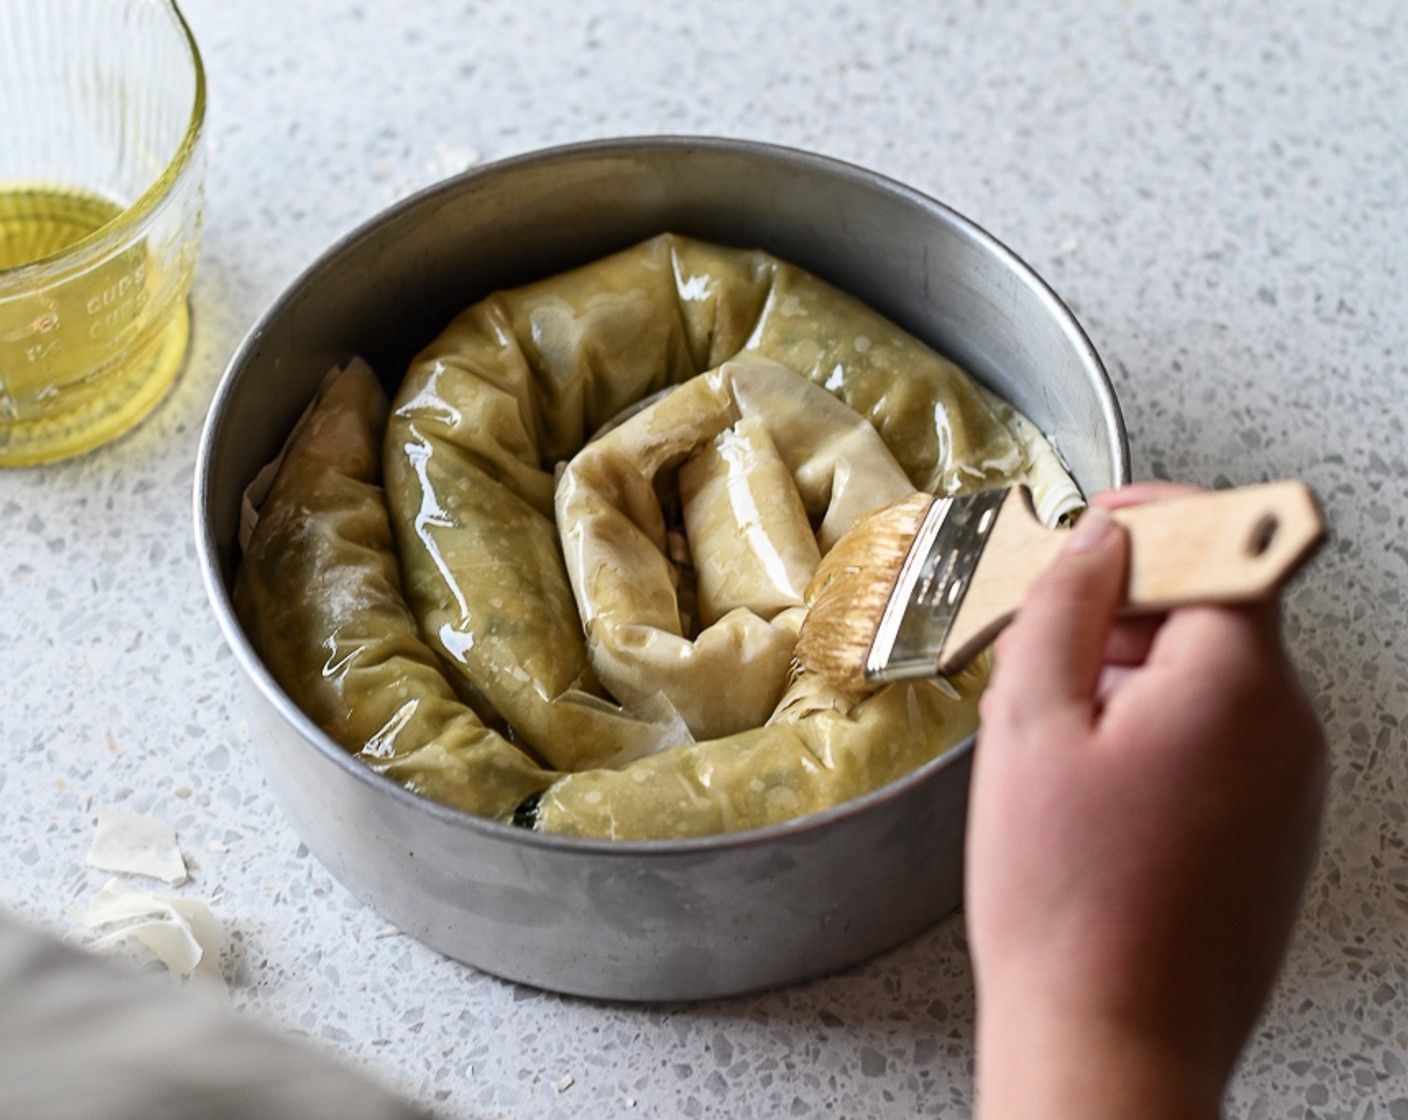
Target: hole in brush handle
{"x": 1263, "y": 535}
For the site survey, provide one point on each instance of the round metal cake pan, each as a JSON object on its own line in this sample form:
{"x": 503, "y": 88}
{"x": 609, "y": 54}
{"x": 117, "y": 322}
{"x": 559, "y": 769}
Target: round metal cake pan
{"x": 637, "y": 920}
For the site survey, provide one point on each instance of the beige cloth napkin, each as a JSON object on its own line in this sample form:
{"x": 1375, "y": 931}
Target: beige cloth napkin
{"x": 81, "y": 1038}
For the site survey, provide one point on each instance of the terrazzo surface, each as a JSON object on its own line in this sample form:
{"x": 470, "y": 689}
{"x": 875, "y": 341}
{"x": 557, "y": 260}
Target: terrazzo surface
{"x": 1219, "y": 191}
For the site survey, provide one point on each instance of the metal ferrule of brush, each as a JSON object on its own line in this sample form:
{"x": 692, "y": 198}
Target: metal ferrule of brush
{"x": 930, "y": 587}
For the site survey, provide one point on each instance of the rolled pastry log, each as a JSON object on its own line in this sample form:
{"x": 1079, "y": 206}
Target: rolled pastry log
{"x": 318, "y": 592}
{"x": 799, "y": 454}
{"x": 516, "y": 384}
{"x": 820, "y": 749}
{"x": 745, "y": 522}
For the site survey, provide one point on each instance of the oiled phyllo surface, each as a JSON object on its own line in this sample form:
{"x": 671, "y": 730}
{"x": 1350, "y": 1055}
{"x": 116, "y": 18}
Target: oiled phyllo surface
{"x": 616, "y": 615}
{"x": 751, "y": 455}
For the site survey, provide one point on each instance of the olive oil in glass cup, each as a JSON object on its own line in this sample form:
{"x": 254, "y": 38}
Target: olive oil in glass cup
{"x": 102, "y": 180}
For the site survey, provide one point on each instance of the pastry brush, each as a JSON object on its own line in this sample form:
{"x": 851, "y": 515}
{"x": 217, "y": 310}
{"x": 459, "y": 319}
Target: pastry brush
{"x": 919, "y": 587}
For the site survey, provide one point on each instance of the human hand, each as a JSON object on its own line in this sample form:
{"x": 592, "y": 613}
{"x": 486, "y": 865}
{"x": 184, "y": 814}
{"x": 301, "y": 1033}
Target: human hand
{"x": 1144, "y": 811}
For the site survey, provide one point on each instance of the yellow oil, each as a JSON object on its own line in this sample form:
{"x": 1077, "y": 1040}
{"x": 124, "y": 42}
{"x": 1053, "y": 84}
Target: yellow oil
{"x": 85, "y": 350}
{"x": 39, "y": 222}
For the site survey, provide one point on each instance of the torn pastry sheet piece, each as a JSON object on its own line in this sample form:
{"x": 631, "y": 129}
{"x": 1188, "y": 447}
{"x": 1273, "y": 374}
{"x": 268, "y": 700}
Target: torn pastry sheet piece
{"x": 136, "y": 844}
{"x": 182, "y": 932}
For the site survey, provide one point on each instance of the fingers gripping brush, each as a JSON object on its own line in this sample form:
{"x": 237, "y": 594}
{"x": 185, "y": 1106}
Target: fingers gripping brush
{"x": 922, "y": 585}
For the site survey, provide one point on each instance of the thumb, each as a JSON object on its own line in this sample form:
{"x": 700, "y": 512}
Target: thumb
{"x": 1051, "y": 657}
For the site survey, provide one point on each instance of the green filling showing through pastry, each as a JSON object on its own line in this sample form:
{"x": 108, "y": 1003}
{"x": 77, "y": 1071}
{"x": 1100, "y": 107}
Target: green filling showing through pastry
{"x": 514, "y": 618}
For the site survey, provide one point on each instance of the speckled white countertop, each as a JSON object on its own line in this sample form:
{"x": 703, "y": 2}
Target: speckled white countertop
{"x": 1220, "y": 190}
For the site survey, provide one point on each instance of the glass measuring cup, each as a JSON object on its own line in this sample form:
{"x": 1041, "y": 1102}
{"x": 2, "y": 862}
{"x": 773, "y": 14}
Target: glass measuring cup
{"x": 102, "y": 179}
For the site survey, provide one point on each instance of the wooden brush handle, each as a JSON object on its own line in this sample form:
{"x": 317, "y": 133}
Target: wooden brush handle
{"x": 1225, "y": 546}
{"x": 1229, "y": 546}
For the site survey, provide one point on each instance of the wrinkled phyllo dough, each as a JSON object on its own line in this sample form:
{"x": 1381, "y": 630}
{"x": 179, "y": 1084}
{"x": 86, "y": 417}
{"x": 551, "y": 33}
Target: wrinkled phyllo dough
{"x": 319, "y": 593}
{"x": 610, "y": 654}
{"x": 760, "y": 454}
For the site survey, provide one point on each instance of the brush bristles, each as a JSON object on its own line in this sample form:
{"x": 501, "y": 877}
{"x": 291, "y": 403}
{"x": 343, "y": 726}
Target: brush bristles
{"x": 851, "y": 588}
